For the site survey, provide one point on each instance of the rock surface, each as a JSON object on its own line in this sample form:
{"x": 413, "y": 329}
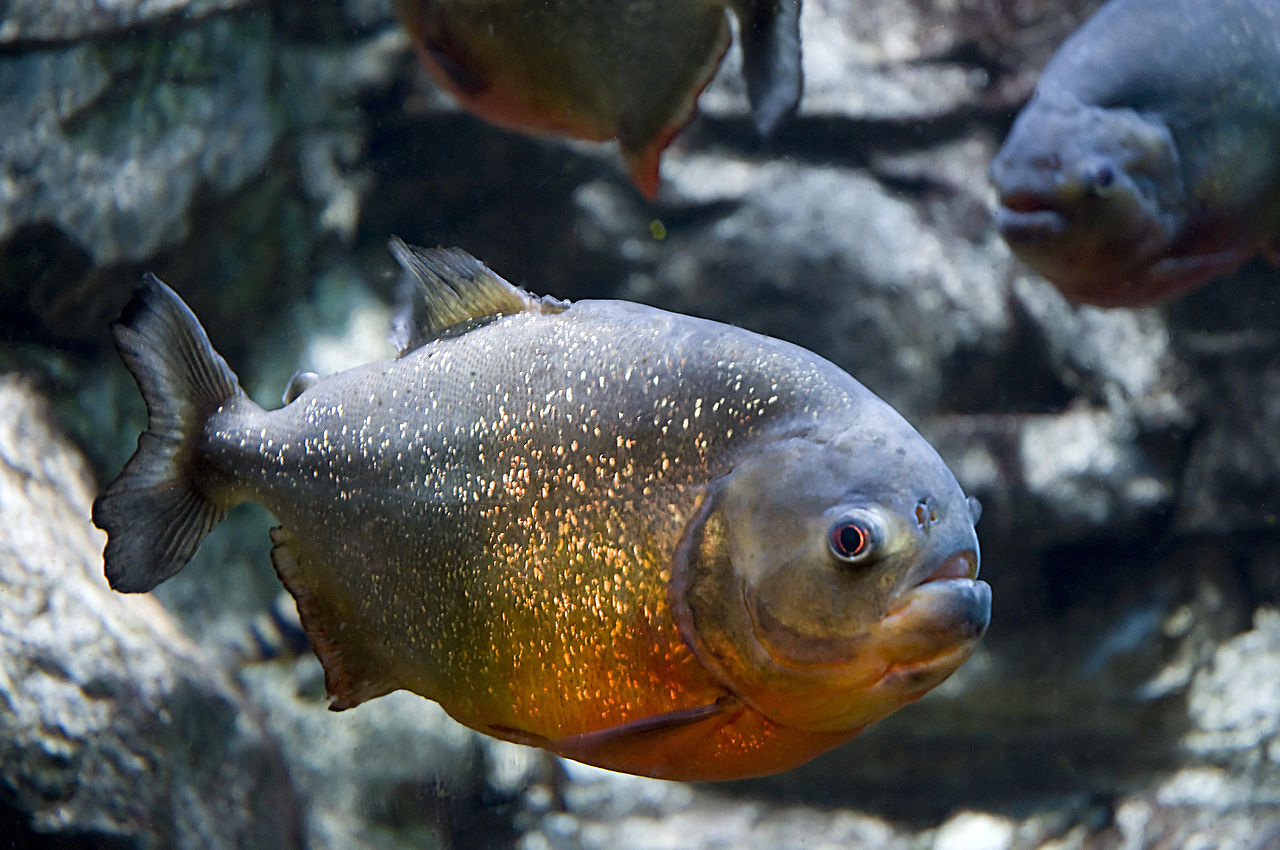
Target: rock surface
{"x": 114, "y": 725}
{"x": 35, "y": 21}
{"x": 258, "y": 156}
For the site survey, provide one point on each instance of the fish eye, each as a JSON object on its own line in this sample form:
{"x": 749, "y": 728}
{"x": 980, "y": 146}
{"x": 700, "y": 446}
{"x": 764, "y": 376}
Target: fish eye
{"x": 853, "y": 540}
{"x": 1101, "y": 179}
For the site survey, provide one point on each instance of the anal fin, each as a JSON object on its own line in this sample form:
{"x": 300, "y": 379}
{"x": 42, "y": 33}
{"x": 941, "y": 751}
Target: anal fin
{"x": 350, "y": 676}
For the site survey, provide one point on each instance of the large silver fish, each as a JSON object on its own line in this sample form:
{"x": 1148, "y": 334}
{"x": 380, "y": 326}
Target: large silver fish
{"x": 642, "y": 540}
{"x": 1148, "y": 160}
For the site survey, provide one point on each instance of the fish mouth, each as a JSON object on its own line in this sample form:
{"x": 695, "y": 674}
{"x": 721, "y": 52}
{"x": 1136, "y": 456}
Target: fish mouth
{"x": 946, "y": 609}
{"x": 930, "y": 630}
{"x": 1027, "y": 215}
{"x": 960, "y": 565}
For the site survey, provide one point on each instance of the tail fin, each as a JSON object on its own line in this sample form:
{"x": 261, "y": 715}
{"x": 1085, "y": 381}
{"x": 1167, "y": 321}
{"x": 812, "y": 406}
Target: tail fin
{"x": 770, "y": 34}
{"x": 153, "y": 514}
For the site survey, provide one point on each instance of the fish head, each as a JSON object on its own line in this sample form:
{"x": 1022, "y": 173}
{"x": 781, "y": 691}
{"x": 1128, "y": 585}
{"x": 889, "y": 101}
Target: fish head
{"x": 1089, "y": 196}
{"x": 831, "y": 577}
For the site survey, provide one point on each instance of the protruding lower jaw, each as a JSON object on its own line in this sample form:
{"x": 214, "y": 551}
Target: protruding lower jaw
{"x": 930, "y": 629}
{"x": 1030, "y": 225}
{"x": 950, "y": 608}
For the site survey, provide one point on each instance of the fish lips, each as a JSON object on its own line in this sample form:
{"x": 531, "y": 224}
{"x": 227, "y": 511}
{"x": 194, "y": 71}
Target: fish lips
{"x": 1026, "y": 216}
{"x": 950, "y": 606}
{"x": 929, "y": 630}
{"x": 934, "y": 626}
{"x": 947, "y": 609}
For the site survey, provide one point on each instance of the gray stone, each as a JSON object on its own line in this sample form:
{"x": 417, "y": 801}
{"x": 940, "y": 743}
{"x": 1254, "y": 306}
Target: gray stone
{"x": 70, "y": 20}
{"x": 390, "y": 773}
{"x": 211, "y": 138}
{"x": 1226, "y": 795}
{"x": 114, "y": 723}
{"x": 607, "y": 811}
{"x": 110, "y": 144}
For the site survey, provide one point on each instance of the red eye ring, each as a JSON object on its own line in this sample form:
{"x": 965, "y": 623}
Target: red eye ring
{"x": 851, "y": 540}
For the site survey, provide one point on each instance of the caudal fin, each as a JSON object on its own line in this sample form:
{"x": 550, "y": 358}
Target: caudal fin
{"x": 770, "y": 34}
{"x": 154, "y": 514}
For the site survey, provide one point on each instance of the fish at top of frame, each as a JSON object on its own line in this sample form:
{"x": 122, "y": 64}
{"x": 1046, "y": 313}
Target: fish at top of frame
{"x": 604, "y": 69}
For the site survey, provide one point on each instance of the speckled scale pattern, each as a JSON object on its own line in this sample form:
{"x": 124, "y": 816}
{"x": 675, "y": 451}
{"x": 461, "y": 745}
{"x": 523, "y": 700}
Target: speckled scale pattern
{"x": 489, "y": 520}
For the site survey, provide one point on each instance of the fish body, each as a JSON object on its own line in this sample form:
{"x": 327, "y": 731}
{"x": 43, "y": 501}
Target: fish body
{"x": 1148, "y": 160}
{"x": 602, "y": 69}
{"x": 645, "y": 541}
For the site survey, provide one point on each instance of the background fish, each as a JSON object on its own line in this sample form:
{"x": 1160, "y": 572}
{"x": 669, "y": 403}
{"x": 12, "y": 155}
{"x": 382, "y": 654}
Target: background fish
{"x": 603, "y": 69}
{"x": 1148, "y": 160}
{"x": 645, "y": 541}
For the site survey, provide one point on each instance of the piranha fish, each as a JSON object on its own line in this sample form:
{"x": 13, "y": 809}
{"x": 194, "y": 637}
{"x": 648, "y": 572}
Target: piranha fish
{"x": 1148, "y": 160}
{"x": 641, "y": 540}
{"x": 605, "y": 69}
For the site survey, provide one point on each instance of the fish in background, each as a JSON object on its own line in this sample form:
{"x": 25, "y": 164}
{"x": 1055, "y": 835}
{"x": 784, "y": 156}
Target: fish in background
{"x": 645, "y": 541}
{"x": 605, "y": 69}
{"x": 1148, "y": 160}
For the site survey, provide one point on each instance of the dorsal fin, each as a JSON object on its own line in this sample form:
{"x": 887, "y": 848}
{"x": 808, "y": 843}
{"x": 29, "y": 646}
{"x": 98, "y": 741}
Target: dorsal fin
{"x": 455, "y": 291}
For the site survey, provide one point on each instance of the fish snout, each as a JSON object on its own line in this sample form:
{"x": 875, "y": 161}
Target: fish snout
{"x": 1029, "y": 196}
{"x": 1025, "y": 216}
{"x": 947, "y": 608}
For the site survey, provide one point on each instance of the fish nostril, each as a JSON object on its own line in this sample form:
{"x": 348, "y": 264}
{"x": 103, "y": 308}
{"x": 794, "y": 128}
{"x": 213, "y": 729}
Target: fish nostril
{"x": 926, "y": 513}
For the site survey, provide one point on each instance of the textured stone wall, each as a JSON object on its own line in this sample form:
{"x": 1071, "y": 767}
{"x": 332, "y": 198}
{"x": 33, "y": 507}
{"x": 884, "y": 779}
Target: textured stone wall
{"x": 258, "y": 155}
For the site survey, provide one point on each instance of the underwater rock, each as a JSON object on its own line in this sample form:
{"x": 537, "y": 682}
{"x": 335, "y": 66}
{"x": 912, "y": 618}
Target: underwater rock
{"x": 115, "y": 725}
{"x": 606, "y": 811}
{"x": 69, "y": 20}
{"x": 187, "y": 129}
{"x": 1227, "y": 794}
{"x": 394, "y": 773}
{"x": 1226, "y": 335}
{"x": 110, "y": 144}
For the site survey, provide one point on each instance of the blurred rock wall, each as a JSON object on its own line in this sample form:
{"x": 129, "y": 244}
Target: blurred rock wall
{"x": 257, "y": 155}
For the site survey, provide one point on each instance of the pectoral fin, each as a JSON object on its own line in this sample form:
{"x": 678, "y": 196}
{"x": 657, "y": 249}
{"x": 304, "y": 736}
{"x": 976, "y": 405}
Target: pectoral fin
{"x": 1175, "y": 275}
{"x": 647, "y": 746}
